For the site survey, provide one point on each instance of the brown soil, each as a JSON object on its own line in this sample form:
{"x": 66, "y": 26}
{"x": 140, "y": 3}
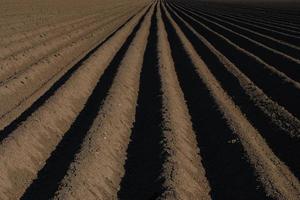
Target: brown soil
{"x": 77, "y": 98}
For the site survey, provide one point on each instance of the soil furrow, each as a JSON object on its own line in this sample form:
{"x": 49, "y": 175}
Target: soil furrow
{"x": 183, "y": 172}
{"x": 145, "y": 150}
{"x": 292, "y": 39}
{"x": 269, "y": 24}
{"x": 38, "y": 136}
{"x": 248, "y": 18}
{"x": 251, "y": 12}
{"x": 276, "y": 34}
{"x": 15, "y": 65}
{"x": 149, "y": 99}
{"x": 229, "y": 174}
{"x": 43, "y": 74}
{"x": 264, "y": 114}
{"x": 11, "y": 29}
{"x": 11, "y": 49}
{"x": 289, "y": 49}
{"x": 274, "y": 83}
{"x": 281, "y": 117}
{"x": 48, "y": 29}
{"x": 98, "y": 167}
{"x": 52, "y": 89}
{"x": 12, "y": 45}
{"x": 48, "y": 17}
{"x": 264, "y": 39}
{"x": 241, "y": 17}
{"x": 278, "y": 181}
{"x": 282, "y": 62}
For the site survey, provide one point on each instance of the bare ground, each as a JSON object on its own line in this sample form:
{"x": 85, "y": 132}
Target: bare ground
{"x": 149, "y": 100}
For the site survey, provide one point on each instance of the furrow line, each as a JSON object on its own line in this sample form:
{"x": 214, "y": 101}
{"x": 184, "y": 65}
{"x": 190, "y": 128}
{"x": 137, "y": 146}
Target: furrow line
{"x": 38, "y": 136}
{"x": 43, "y": 74}
{"x": 282, "y": 62}
{"x": 183, "y": 171}
{"x": 229, "y": 174}
{"x": 262, "y": 112}
{"x": 241, "y": 19}
{"x": 292, "y": 39}
{"x": 21, "y": 36}
{"x": 45, "y": 35}
{"x": 145, "y": 150}
{"x": 98, "y": 167}
{"x": 265, "y": 13}
{"x": 286, "y": 27}
{"x": 274, "y": 83}
{"x": 279, "y": 182}
{"x": 280, "y": 46}
{"x": 240, "y": 16}
{"x": 15, "y": 28}
{"x": 14, "y": 65}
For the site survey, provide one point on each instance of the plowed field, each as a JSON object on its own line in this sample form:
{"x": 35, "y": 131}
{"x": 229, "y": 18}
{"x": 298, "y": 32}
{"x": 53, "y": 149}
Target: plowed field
{"x": 162, "y": 99}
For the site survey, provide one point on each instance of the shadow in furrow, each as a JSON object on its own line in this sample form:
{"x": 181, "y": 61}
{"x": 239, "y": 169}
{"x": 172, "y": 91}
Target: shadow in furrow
{"x": 265, "y": 28}
{"x": 41, "y": 100}
{"x": 244, "y": 19}
{"x": 283, "y": 64}
{"x": 224, "y": 20}
{"x": 272, "y": 32}
{"x": 145, "y": 152}
{"x": 227, "y": 169}
{"x": 286, "y": 148}
{"x": 50, "y": 176}
{"x": 280, "y": 91}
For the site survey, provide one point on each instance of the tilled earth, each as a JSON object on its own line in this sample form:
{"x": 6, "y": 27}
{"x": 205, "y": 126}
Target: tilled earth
{"x": 163, "y": 99}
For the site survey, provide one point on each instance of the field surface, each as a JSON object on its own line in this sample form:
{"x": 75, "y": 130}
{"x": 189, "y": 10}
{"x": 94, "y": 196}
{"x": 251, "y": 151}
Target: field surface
{"x": 149, "y": 99}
